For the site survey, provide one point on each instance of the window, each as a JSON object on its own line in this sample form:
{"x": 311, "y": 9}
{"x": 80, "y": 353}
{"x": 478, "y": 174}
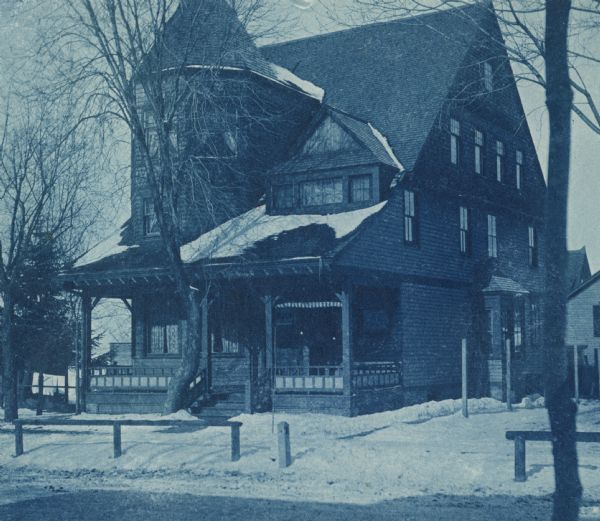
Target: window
{"x": 283, "y": 197}
{"x": 454, "y": 141}
{"x": 536, "y": 324}
{"x": 360, "y": 188}
{"x": 465, "y": 231}
{"x": 492, "y": 238}
{"x": 150, "y": 221}
{"x": 518, "y": 326}
{"x": 499, "y": 161}
{"x": 323, "y": 191}
{"x": 163, "y": 335}
{"x": 519, "y": 169}
{"x": 596, "y": 320}
{"x": 488, "y": 77}
{"x": 533, "y": 247}
{"x": 478, "y": 152}
{"x": 410, "y": 225}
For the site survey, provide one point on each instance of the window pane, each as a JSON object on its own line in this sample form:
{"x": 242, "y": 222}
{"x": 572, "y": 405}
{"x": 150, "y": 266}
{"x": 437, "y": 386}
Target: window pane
{"x": 488, "y": 82}
{"x": 360, "y": 188}
{"x": 156, "y": 344}
{"x": 323, "y": 191}
{"x": 596, "y": 320}
{"x": 172, "y": 338}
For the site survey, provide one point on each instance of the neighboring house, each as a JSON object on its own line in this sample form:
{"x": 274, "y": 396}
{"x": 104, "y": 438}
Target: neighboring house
{"x": 582, "y": 336}
{"x": 578, "y": 269}
{"x": 403, "y": 213}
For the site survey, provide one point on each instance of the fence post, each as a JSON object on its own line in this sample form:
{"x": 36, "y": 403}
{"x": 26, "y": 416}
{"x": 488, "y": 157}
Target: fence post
{"x": 465, "y": 397}
{"x": 116, "y": 439}
{"x": 18, "y": 438}
{"x": 283, "y": 443}
{"x": 235, "y": 441}
{"x": 508, "y": 376}
{"x": 40, "y": 398}
{"x": 520, "y": 474}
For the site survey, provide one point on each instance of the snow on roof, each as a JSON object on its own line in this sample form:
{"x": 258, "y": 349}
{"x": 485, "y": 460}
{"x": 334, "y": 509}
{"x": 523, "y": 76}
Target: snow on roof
{"x": 288, "y": 77}
{"x": 105, "y": 248}
{"x": 384, "y": 142}
{"x": 233, "y": 237}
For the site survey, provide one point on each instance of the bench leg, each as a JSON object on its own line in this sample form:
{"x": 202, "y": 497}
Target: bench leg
{"x": 520, "y": 474}
{"x": 116, "y": 440}
{"x": 235, "y": 443}
{"x": 18, "y": 438}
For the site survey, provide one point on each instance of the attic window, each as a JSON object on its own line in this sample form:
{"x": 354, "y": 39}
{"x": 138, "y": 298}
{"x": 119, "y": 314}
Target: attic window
{"x": 360, "y": 188}
{"x": 488, "y": 77}
{"x": 322, "y": 191}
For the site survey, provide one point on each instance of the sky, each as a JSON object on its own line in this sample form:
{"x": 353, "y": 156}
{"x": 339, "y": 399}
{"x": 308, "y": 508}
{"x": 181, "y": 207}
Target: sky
{"x": 584, "y": 192}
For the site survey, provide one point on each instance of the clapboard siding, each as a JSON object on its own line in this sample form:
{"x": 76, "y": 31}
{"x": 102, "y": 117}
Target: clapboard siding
{"x": 580, "y": 323}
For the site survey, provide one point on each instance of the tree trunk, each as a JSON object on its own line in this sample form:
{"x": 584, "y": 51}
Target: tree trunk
{"x": 561, "y": 409}
{"x": 9, "y": 363}
{"x": 188, "y": 370}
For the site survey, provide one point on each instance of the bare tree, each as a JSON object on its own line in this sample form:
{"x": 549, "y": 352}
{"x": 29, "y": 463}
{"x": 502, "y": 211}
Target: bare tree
{"x": 184, "y": 120}
{"x": 45, "y": 172}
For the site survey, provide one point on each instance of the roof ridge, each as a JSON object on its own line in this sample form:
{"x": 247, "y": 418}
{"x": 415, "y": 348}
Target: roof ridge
{"x": 374, "y": 24}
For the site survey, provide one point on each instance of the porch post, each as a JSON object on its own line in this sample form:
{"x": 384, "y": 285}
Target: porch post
{"x": 86, "y": 344}
{"x": 205, "y": 351}
{"x": 346, "y": 298}
{"x": 268, "y": 300}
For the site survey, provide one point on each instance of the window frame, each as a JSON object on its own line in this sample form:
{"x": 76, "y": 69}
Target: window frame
{"x": 164, "y": 320}
{"x": 146, "y": 216}
{"x": 596, "y": 320}
{"x": 500, "y": 167}
{"x": 479, "y": 152}
{"x": 411, "y": 235}
{"x": 455, "y": 144}
{"x": 533, "y": 250}
{"x": 518, "y": 325}
{"x": 492, "y": 236}
{"x": 519, "y": 169}
{"x": 488, "y": 76}
{"x": 465, "y": 230}
{"x": 315, "y": 182}
{"x": 351, "y": 189}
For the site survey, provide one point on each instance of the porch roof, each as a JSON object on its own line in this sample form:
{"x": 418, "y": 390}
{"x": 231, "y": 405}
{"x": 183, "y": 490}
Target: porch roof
{"x": 504, "y": 285}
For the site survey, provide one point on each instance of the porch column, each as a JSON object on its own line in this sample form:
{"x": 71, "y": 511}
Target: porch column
{"x": 346, "y": 299}
{"x": 205, "y": 345}
{"x": 86, "y": 348}
{"x": 268, "y": 300}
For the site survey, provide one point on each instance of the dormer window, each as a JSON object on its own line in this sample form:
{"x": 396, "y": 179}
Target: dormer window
{"x": 322, "y": 191}
{"x": 150, "y": 222}
{"x": 454, "y": 141}
{"x": 283, "y": 197}
{"x": 360, "y": 188}
{"x": 488, "y": 77}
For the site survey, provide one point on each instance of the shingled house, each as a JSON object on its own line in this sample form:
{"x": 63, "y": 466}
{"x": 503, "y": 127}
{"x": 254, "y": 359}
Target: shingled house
{"x": 401, "y": 214}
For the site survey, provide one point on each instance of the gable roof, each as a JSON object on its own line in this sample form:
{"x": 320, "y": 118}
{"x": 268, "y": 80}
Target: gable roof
{"x": 578, "y": 269}
{"x": 370, "y": 146}
{"x": 394, "y": 74}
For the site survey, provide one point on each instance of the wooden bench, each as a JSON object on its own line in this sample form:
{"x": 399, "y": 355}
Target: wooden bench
{"x": 118, "y": 424}
{"x": 520, "y": 437}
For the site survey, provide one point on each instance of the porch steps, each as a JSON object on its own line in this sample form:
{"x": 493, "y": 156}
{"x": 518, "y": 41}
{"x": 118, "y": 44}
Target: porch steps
{"x": 224, "y": 402}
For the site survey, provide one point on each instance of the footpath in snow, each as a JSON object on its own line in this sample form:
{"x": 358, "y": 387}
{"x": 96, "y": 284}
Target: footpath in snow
{"x": 420, "y": 450}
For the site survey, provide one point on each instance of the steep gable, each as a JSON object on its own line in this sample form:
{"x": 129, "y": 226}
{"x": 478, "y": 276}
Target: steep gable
{"x": 394, "y": 74}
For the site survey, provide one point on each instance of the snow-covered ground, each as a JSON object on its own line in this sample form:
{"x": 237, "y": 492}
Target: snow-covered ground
{"x": 420, "y": 450}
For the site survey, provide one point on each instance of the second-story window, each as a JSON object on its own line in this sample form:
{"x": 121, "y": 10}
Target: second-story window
{"x": 499, "y": 161}
{"x": 596, "y": 320}
{"x": 478, "y": 152}
{"x": 360, "y": 188}
{"x": 465, "y": 231}
{"x": 410, "y": 217}
{"x": 518, "y": 326}
{"x": 454, "y": 141}
{"x": 321, "y": 192}
{"x": 519, "y": 169}
{"x": 533, "y": 247}
{"x": 488, "y": 76}
{"x": 492, "y": 237}
{"x": 283, "y": 197}
{"x": 150, "y": 221}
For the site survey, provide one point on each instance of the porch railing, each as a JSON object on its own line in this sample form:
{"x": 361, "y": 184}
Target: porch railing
{"x": 366, "y": 375}
{"x": 314, "y": 378}
{"x": 130, "y": 378}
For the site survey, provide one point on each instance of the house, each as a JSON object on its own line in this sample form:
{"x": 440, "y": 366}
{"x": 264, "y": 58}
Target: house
{"x": 582, "y": 336}
{"x": 402, "y": 213}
